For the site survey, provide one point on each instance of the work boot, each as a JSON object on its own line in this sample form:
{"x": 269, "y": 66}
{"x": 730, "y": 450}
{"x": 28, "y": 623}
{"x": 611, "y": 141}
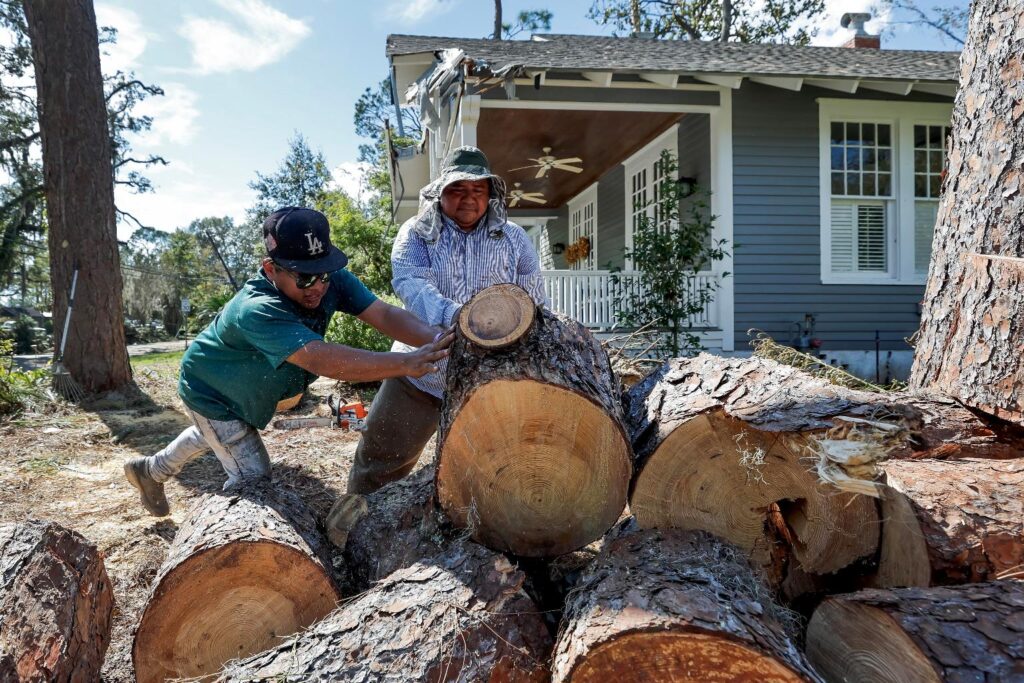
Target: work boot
{"x": 343, "y": 517}
{"x": 151, "y": 491}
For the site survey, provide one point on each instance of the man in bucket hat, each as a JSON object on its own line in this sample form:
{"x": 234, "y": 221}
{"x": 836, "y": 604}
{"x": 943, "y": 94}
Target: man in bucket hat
{"x": 461, "y": 242}
{"x": 267, "y": 345}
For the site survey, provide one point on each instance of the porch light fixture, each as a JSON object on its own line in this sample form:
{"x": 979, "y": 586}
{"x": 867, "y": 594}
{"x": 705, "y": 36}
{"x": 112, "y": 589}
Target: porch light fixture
{"x": 687, "y": 185}
{"x": 557, "y": 248}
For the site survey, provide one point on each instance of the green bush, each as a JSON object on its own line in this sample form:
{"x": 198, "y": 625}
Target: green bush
{"x": 19, "y": 389}
{"x": 351, "y": 331}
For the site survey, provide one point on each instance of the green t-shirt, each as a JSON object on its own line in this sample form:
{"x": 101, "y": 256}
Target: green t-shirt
{"x": 236, "y": 368}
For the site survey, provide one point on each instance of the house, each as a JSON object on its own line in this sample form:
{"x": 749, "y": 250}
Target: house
{"x": 824, "y": 166}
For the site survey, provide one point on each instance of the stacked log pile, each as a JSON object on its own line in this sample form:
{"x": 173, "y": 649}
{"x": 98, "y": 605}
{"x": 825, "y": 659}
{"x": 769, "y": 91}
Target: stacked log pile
{"x": 746, "y": 484}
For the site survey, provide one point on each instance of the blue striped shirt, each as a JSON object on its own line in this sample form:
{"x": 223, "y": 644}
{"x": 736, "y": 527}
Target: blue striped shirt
{"x": 433, "y": 280}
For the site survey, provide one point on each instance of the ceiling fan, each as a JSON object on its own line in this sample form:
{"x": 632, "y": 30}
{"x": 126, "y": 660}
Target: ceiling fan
{"x": 517, "y": 195}
{"x": 546, "y": 162}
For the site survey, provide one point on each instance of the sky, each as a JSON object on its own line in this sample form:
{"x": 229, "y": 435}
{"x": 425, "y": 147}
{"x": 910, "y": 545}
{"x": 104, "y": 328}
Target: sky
{"x": 242, "y": 77}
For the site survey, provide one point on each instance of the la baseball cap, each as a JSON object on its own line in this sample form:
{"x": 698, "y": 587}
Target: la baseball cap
{"x": 300, "y": 239}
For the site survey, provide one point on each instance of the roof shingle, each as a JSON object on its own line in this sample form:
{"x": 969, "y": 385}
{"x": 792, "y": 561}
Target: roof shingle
{"x": 604, "y": 53}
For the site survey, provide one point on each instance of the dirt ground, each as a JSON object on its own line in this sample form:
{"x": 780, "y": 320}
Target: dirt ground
{"x": 64, "y": 462}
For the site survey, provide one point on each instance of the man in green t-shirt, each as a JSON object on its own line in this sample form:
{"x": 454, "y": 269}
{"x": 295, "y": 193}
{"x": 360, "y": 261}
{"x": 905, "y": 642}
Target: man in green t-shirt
{"x": 267, "y": 344}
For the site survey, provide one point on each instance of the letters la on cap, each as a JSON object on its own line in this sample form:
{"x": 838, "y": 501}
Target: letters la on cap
{"x": 300, "y": 240}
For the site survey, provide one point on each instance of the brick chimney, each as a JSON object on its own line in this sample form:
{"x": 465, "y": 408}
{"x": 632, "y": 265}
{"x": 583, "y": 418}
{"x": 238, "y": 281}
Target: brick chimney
{"x": 861, "y": 38}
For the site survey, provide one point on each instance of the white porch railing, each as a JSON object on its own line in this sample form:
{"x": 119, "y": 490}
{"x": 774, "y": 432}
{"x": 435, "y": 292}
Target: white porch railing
{"x": 589, "y": 295}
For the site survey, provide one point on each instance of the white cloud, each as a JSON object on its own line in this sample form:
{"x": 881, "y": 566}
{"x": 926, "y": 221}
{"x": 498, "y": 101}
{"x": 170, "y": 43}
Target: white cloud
{"x": 174, "y": 116}
{"x": 131, "y": 39}
{"x": 414, "y": 10}
{"x": 178, "y": 202}
{"x": 257, "y": 35}
{"x": 350, "y": 178}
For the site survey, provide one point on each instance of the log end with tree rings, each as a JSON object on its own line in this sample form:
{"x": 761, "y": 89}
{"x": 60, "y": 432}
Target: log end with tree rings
{"x": 533, "y": 469}
{"x": 671, "y": 605}
{"x": 243, "y": 572}
{"x": 973, "y": 632}
{"x": 717, "y": 473}
{"x": 533, "y": 456}
{"x": 497, "y": 316}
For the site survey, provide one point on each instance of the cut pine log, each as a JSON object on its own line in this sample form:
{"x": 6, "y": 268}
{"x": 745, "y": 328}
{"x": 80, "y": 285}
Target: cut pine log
{"x": 532, "y": 450}
{"x": 55, "y": 604}
{"x": 461, "y": 616}
{"x": 394, "y": 527}
{"x": 674, "y": 606}
{"x": 951, "y": 521}
{"x": 724, "y": 445}
{"x": 245, "y": 569}
{"x": 921, "y": 635}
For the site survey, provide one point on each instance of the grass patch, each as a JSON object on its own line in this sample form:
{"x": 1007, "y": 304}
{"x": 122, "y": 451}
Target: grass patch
{"x": 159, "y": 358}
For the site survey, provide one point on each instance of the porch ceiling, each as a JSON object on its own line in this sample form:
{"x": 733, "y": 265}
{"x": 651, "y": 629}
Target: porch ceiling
{"x": 511, "y": 137}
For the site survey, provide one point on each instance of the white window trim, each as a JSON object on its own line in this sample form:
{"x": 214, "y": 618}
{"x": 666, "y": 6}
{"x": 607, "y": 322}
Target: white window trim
{"x": 587, "y": 196}
{"x": 902, "y": 116}
{"x": 645, "y": 156}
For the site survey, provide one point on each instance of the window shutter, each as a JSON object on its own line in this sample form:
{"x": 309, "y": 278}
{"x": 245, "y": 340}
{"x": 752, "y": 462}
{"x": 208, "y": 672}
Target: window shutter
{"x": 871, "y": 238}
{"x": 842, "y": 237}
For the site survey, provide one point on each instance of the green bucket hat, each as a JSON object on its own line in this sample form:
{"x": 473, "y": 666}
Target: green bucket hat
{"x": 462, "y": 163}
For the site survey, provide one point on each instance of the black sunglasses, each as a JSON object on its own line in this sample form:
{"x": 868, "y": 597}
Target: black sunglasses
{"x": 304, "y": 280}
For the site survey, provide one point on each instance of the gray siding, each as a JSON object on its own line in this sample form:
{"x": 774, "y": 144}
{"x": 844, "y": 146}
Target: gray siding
{"x": 695, "y": 148}
{"x": 558, "y": 232}
{"x": 611, "y": 214}
{"x": 777, "y": 266}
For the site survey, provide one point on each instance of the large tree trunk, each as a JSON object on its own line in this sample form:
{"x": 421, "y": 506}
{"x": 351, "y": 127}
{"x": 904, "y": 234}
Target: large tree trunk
{"x": 79, "y": 183}
{"x": 951, "y": 521}
{"x": 722, "y": 444}
{"x": 461, "y": 616}
{"x": 921, "y": 635}
{"x": 244, "y": 571}
{"x": 971, "y": 325}
{"x": 674, "y": 606}
{"x": 55, "y": 604}
{"x": 532, "y": 450}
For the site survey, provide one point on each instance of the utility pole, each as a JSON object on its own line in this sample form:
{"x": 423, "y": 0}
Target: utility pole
{"x": 213, "y": 243}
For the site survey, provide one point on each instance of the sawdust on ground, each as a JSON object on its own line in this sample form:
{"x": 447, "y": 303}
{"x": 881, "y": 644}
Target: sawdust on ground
{"x": 64, "y": 463}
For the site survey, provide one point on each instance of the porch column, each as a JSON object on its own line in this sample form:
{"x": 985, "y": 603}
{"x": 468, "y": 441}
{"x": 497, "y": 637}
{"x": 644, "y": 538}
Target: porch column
{"x": 722, "y": 206}
{"x": 468, "y": 118}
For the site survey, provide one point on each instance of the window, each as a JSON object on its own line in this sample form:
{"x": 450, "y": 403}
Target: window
{"x": 643, "y": 174}
{"x": 583, "y": 223}
{"x": 881, "y": 166}
{"x": 929, "y": 162}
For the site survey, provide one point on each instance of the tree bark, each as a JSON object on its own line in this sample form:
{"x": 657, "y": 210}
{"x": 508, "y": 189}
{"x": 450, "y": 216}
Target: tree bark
{"x": 79, "y": 181}
{"x": 918, "y": 635}
{"x": 722, "y": 445}
{"x": 55, "y": 604}
{"x": 674, "y": 605}
{"x": 951, "y": 521}
{"x": 244, "y": 570}
{"x": 497, "y": 20}
{"x": 460, "y": 616}
{"x": 398, "y": 524}
{"x": 532, "y": 451}
{"x": 969, "y": 346}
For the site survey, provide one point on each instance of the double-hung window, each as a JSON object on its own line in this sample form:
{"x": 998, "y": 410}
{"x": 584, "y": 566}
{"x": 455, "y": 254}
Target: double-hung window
{"x": 881, "y": 165}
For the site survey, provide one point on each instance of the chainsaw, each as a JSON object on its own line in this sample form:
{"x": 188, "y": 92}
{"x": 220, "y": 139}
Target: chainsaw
{"x": 351, "y": 416}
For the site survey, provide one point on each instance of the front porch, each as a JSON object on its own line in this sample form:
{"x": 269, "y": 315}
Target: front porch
{"x": 589, "y": 296}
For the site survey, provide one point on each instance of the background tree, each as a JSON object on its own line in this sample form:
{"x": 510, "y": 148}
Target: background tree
{"x": 671, "y": 244}
{"x": 79, "y": 179}
{"x": 23, "y": 254}
{"x": 744, "y": 21}
{"x": 526, "y": 20}
{"x": 972, "y": 322}
{"x": 949, "y": 22}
